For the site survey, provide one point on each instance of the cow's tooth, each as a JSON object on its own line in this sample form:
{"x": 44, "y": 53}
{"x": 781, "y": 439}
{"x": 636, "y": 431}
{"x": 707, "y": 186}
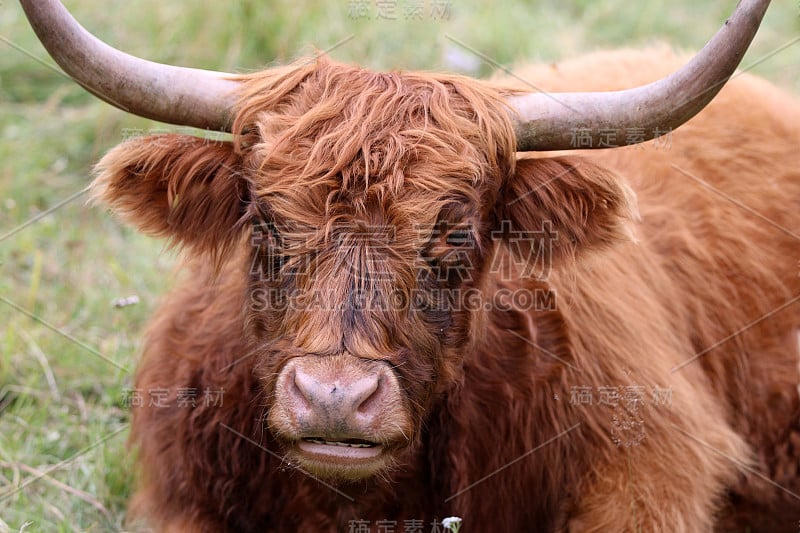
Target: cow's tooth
{"x": 337, "y": 442}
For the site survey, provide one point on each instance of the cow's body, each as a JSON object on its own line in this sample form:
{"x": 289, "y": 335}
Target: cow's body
{"x": 709, "y": 276}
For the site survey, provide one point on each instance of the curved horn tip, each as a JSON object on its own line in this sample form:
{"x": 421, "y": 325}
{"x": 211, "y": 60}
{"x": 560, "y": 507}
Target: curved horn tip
{"x": 176, "y": 95}
{"x": 546, "y": 121}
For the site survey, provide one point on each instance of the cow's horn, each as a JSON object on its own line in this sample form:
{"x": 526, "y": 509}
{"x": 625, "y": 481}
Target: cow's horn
{"x": 555, "y": 121}
{"x": 177, "y": 95}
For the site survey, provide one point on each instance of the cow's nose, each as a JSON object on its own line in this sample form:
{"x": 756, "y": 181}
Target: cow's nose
{"x": 350, "y": 398}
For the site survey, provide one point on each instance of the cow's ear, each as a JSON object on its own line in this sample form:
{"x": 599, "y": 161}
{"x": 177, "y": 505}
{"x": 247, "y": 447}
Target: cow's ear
{"x": 556, "y": 208}
{"x": 185, "y": 188}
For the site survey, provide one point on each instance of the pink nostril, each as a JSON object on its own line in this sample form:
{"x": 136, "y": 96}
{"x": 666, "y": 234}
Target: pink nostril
{"x": 303, "y": 386}
{"x": 365, "y": 393}
{"x": 338, "y": 397}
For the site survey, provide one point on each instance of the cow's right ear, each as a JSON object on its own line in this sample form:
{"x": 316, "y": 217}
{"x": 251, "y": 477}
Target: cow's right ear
{"x": 185, "y": 188}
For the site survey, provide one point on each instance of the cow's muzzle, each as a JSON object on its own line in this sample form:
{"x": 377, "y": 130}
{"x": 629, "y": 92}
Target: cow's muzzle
{"x": 339, "y": 416}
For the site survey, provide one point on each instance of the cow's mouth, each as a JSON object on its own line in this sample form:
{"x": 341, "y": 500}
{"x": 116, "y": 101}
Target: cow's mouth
{"x": 327, "y": 449}
{"x": 340, "y": 458}
{"x": 352, "y": 443}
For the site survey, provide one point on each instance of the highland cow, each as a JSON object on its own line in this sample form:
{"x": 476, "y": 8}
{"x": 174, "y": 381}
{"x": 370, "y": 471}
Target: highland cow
{"x": 411, "y": 318}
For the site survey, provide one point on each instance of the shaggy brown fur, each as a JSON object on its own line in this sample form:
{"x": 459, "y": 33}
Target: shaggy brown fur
{"x": 695, "y": 293}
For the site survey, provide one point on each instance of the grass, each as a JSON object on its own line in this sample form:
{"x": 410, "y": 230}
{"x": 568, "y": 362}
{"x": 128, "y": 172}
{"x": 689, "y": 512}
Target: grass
{"x": 63, "y": 373}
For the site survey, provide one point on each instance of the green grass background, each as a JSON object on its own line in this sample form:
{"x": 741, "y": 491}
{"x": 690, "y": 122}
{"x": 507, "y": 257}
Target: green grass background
{"x": 59, "y": 397}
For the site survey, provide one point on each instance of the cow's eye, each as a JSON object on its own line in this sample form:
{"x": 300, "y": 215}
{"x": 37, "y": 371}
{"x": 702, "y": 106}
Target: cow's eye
{"x": 461, "y": 237}
{"x": 265, "y": 232}
{"x": 268, "y": 244}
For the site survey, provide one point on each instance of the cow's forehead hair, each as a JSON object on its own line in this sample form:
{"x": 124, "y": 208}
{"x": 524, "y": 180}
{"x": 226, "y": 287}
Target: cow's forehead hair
{"x": 340, "y": 134}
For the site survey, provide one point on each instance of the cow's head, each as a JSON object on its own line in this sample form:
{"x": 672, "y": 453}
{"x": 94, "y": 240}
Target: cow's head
{"x": 370, "y": 205}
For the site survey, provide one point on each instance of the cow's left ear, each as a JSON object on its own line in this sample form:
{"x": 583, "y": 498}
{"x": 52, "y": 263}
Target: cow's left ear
{"x": 566, "y": 205}
{"x": 185, "y": 188}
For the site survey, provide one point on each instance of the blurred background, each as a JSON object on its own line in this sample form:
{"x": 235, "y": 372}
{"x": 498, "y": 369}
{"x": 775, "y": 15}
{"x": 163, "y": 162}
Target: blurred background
{"x": 76, "y": 287}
